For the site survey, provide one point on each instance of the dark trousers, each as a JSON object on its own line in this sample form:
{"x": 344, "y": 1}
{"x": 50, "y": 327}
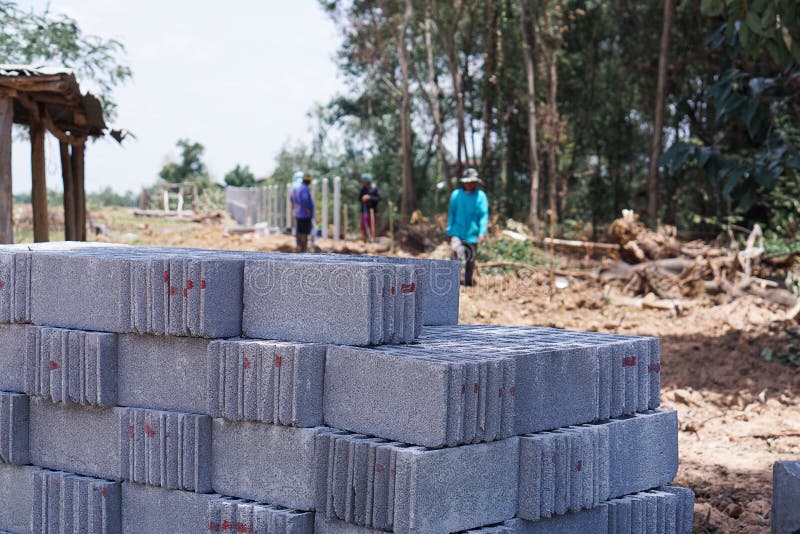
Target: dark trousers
{"x": 466, "y": 253}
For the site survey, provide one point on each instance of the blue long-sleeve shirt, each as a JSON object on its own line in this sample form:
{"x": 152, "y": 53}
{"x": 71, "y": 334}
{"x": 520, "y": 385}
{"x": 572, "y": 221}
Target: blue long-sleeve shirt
{"x": 468, "y": 217}
{"x": 302, "y": 201}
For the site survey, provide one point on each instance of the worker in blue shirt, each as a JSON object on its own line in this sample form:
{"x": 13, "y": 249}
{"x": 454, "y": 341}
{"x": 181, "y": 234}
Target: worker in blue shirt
{"x": 467, "y": 221}
{"x": 303, "y": 210}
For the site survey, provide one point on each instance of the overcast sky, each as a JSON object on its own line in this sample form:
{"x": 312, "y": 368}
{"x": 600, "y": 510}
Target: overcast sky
{"x": 237, "y": 76}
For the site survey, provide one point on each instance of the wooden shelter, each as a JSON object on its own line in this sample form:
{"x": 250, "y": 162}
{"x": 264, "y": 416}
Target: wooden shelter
{"x": 47, "y": 100}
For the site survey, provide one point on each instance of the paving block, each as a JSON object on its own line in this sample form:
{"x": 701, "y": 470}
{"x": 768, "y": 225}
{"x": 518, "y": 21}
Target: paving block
{"x": 71, "y": 366}
{"x": 74, "y": 438}
{"x": 13, "y": 346}
{"x": 785, "y": 517}
{"x": 377, "y": 484}
{"x": 167, "y": 449}
{"x": 147, "y": 509}
{"x": 270, "y": 382}
{"x": 576, "y": 468}
{"x": 64, "y": 503}
{"x": 16, "y": 497}
{"x": 240, "y": 515}
{"x": 265, "y": 463}
{"x": 162, "y": 372}
{"x": 322, "y": 302}
{"x": 14, "y": 423}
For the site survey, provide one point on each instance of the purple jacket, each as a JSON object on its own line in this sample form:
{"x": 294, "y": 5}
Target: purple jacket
{"x": 302, "y": 202}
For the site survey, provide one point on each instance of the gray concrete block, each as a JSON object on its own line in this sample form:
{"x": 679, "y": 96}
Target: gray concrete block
{"x": 74, "y": 438}
{"x": 643, "y": 451}
{"x": 165, "y": 373}
{"x": 13, "y": 347}
{"x": 147, "y": 509}
{"x": 240, "y": 515}
{"x": 265, "y": 463}
{"x": 270, "y": 382}
{"x": 594, "y": 520}
{"x": 321, "y": 302}
{"x": 64, "y": 503}
{"x": 14, "y": 423}
{"x": 71, "y": 366}
{"x": 373, "y": 483}
{"x": 16, "y": 497}
{"x": 785, "y": 517}
{"x": 167, "y": 449}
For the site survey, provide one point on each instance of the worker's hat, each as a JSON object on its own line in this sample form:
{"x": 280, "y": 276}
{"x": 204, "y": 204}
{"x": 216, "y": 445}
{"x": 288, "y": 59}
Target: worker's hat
{"x": 298, "y": 176}
{"x": 471, "y": 176}
{"x": 366, "y": 177}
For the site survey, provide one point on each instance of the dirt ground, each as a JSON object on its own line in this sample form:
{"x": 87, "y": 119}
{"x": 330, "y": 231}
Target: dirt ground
{"x": 738, "y": 413}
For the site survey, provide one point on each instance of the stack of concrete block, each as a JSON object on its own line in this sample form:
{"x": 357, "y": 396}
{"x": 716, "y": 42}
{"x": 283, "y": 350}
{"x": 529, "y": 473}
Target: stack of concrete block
{"x": 176, "y": 390}
{"x": 785, "y": 516}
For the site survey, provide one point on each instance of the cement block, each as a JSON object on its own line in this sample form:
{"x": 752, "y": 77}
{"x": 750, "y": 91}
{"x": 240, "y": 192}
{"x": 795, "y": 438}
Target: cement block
{"x": 13, "y": 346}
{"x": 16, "y": 497}
{"x": 321, "y": 302}
{"x": 270, "y": 382}
{"x": 167, "y": 449}
{"x": 14, "y": 423}
{"x": 373, "y": 483}
{"x": 64, "y": 503}
{"x": 150, "y": 509}
{"x": 785, "y": 517}
{"x": 240, "y": 515}
{"x": 165, "y": 373}
{"x": 71, "y": 366}
{"x": 74, "y": 438}
{"x": 265, "y": 463}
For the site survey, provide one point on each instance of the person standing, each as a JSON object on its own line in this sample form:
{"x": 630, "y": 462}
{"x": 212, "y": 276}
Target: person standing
{"x": 369, "y": 198}
{"x": 467, "y": 222}
{"x": 303, "y": 210}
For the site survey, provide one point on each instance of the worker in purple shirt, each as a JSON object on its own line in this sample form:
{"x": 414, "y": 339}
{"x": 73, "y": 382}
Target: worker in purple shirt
{"x": 303, "y": 211}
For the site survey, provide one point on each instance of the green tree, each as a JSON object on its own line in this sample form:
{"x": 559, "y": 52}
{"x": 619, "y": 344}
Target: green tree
{"x": 240, "y": 176}
{"x": 29, "y": 37}
{"x": 189, "y": 168}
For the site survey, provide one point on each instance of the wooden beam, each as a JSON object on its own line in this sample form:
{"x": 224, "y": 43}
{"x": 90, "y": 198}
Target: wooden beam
{"x": 41, "y": 232}
{"x": 6, "y": 196}
{"x": 70, "y": 219}
{"x": 78, "y": 152}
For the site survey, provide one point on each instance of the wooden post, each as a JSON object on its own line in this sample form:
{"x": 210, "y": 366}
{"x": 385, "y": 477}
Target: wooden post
{"x": 70, "y": 219}
{"x": 78, "y": 154}
{"x": 337, "y": 209}
{"x": 344, "y": 223}
{"x": 41, "y": 231}
{"x": 324, "y": 208}
{"x": 6, "y": 195}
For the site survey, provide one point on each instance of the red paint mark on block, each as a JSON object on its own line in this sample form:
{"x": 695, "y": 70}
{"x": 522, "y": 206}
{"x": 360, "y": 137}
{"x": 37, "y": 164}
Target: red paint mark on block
{"x": 166, "y": 277}
{"x": 148, "y": 430}
{"x": 394, "y": 291}
{"x": 241, "y": 527}
{"x": 172, "y": 290}
{"x": 226, "y": 525}
{"x": 378, "y": 468}
{"x": 2, "y": 284}
{"x": 246, "y": 363}
{"x": 579, "y": 465}
{"x": 185, "y": 292}
{"x": 629, "y": 362}
{"x": 654, "y": 368}
{"x": 103, "y": 492}
{"x": 202, "y": 284}
{"x": 513, "y": 391}
{"x": 475, "y": 388}
{"x": 500, "y": 393}
{"x": 392, "y": 472}
{"x": 53, "y": 365}
{"x": 278, "y": 361}
{"x": 130, "y": 432}
{"x": 213, "y": 526}
{"x": 189, "y": 284}
{"x": 408, "y": 288}
{"x": 463, "y": 389}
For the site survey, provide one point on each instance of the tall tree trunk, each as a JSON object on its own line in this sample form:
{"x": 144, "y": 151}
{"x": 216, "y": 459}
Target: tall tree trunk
{"x": 489, "y": 84}
{"x": 658, "y": 115}
{"x": 552, "y": 127}
{"x": 407, "y": 199}
{"x": 533, "y": 156}
{"x": 6, "y": 192}
{"x": 433, "y": 99}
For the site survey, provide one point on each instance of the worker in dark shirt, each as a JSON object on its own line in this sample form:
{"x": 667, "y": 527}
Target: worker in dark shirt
{"x": 369, "y": 198}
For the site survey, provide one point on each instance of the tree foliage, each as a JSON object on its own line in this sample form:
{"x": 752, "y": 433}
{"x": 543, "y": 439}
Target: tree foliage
{"x": 240, "y": 176}
{"x": 29, "y": 37}
{"x": 730, "y": 118}
{"x": 190, "y": 166}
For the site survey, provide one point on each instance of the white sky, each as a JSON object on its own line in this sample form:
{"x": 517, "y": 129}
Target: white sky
{"x": 237, "y": 76}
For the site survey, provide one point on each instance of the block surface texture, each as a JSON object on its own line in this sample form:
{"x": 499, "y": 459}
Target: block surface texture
{"x": 785, "y": 517}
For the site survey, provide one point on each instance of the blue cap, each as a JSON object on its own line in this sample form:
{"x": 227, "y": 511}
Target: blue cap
{"x": 366, "y": 177}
